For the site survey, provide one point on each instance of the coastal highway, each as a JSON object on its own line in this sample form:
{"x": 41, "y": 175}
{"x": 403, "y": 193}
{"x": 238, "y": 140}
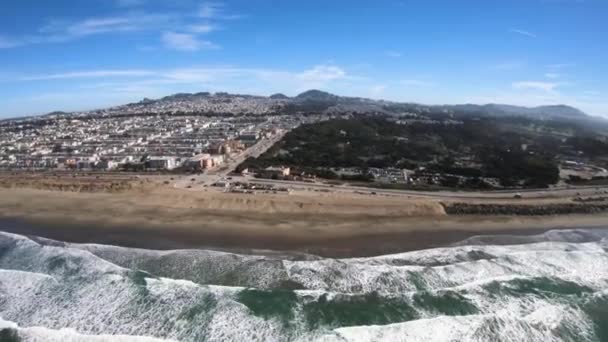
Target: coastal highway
{"x": 218, "y": 173}
{"x": 198, "y": 182}
{"x": 556, "y": 192}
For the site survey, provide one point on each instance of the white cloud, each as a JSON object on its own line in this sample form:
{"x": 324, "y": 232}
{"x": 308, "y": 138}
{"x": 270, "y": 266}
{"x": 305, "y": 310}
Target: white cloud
{"x": 220, "y": 77}
{"x": 62, "y": 31}
{"x": 510, "y": 65}
{"x": 377, "y": 90}
{"x": 216, "y": 10}
{"x": 416, "y": 83}
{"x": 100, "y": 88}
{"x": 7, "y": 43}
{"x": 202, "y": 28}
{"x": 560, "y": 65}
{"x": 552, "y": 75}
{"x": 129, "y": 3}
{"x": 103, "y": 25}
{"x": 523, "y": 33}
{"x": 322, "y": 73}
{"x": 185, "y": 42}
{"x": 536, "y": 85}
{"x": 90, "y": 74}
{"x": 316, "y": 74}
{"x": 564, "y": 1}
{"x": 210, "y": 10}
{"x": 193, "y": 75}
{"x": 59, "y": 31}
{"x": 393, "y": 54}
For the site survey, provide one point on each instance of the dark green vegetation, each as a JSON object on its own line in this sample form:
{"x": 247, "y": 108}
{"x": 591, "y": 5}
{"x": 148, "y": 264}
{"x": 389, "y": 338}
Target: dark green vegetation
{"x": 468, "y": 153}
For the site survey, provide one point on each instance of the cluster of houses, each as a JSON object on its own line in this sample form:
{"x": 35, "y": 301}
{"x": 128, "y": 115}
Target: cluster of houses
{"x": 133, "y": 142}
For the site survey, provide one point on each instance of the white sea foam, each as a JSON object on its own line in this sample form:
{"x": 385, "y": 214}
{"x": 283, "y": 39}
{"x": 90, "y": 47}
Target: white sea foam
{"x": 201, "y": 266}
{"x": 42, "y": 334}
{"x": 582, "y": 263}
{"x": 478, "y": 328}
{"x": 92, "y": 292}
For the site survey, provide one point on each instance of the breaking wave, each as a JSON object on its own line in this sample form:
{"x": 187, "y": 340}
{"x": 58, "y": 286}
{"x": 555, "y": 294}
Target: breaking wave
{"x": 550, "y": 287}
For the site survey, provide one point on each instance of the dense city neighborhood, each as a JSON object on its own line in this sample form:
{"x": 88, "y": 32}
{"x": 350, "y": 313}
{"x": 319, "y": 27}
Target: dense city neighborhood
{"x": 313, "y": 137}
{"x": 133, "y": 143}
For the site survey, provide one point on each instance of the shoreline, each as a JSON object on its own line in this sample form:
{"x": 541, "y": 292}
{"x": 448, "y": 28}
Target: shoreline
{"x": 329, "y": 225}
{"x": 360, "y": 245}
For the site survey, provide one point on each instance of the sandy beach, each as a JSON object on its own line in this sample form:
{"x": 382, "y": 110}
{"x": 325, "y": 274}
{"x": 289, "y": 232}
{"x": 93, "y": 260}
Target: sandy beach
{"x": 328, "y": 224}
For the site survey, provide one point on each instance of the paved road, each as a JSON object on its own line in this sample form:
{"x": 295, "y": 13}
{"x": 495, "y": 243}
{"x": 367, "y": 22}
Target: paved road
{"x": 197, "y": 182}
{"x": 502, "y": 194}
{"x": 221, "y": 172}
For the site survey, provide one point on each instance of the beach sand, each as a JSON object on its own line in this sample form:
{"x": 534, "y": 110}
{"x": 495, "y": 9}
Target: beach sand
{"x": 328, "y": 224}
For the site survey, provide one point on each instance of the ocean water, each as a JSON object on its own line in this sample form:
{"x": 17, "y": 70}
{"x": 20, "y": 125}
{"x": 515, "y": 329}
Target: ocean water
{"x": 550, "y": 287}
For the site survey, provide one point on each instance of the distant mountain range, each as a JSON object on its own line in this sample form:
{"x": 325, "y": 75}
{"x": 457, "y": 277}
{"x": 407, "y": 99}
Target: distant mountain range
{"x": 541, "y": 112}
{"x": 323, "y": 102}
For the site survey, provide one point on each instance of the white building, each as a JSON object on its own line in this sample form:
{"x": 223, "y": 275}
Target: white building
{"x": 161, "y": 163}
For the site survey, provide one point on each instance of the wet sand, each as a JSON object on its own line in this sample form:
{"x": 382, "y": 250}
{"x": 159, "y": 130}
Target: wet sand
{"x": 370, "y": 244}
{"x": 358, "y": 243}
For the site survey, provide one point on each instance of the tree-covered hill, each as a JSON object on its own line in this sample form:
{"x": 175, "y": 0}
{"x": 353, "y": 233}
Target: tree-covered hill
{"x": 504, "y": 148}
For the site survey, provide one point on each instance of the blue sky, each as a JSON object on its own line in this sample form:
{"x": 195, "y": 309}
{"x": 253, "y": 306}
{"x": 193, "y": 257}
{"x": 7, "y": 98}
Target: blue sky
{"x": 87, "y": 54}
